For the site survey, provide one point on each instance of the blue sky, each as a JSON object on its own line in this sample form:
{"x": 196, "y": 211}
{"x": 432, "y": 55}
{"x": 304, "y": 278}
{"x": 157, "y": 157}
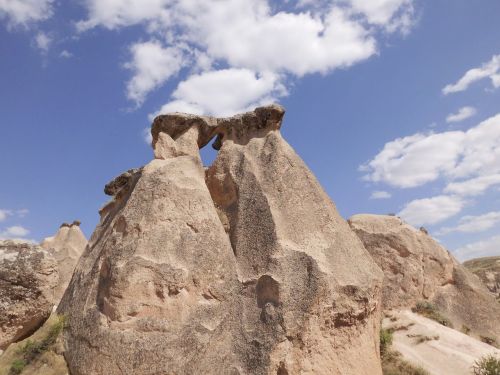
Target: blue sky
{"x": 391, "y": 103}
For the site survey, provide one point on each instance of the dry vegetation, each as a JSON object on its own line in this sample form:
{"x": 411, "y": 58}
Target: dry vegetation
{"x": 430, "y": 311}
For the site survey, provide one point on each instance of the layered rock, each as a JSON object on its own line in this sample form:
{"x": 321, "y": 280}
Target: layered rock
{"x": 256, "y": 274}
{"x": 488, "y": 270}
{"x": 310, "y": 290}
{"x": 28, "y": 277}
{"x": 417, "y": 268}
{"x": 66, "y": 246}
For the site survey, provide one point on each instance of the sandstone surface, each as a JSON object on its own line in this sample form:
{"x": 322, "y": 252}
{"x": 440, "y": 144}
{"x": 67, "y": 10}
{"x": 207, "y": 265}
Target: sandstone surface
{"x": 66, "y": 246}
{"x": 245, "y": 269}
{"x": 417, "y": 268}
{"x": 28, "y": 277}
{"x": 488, "y": 270}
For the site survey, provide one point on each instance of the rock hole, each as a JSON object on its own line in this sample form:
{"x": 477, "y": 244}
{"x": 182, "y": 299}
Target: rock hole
{"x": 267, "y": 291}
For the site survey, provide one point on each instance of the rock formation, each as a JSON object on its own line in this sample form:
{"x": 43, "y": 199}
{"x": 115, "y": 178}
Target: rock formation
{"x": 66, "y": 246}
{"x": 316, "y": 287}
{"x": 247, "y": 270}
{"x": 417, "y": 268}
{"x": 28, "y": 277}
{"x": 488, "y": 270}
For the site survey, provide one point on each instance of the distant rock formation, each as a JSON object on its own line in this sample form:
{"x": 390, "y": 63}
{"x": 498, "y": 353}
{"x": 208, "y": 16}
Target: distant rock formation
{"x": 417, "y": 268}
{"x": 254, "y": 274}
{"x": 28, "y": 278}
{"x": 66, "y": 246}
{"x": 488, "y": 270}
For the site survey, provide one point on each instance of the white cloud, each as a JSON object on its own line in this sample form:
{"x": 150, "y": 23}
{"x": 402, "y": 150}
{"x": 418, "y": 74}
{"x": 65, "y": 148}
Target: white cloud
{"x": 43, "y": 41}
{"x": 248, "y": 35}
{"x": 25, "y": 12}
{"x": 4, "y": 214}
{"x": 15, "y": 231}
{"x": 473, "y": 224}
{"x": 224, "y": 92}
{"x": 380, "y": 195}
{"x": 415, "y": 160}
{"x": 151, "y": 65}
{"x": 487, "y": 247}
{"x": 65, "y": 54}
{"x": 462, "y": 114}
{"x": 113, "y": 14}
{"x": 394, "y": 14}
{"x": 431, "y": 210}
{"x": 421, "y": 158}
{"x": 490, "y": 70}
{"x": 146, "y": 136}
{"x": 473, "y": 186}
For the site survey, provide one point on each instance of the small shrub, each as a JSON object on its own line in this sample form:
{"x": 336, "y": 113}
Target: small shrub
{"x": 17, "y": 367}
{"x": 488, "y": 365}
{"x": 393, "y": 364}
{"x": 32, "y": 349}
{"x": 430, "y": 311}
{"x": 489, "y": 340}
{"x": 385, "y": 341}
{"x": 465, "y": 329}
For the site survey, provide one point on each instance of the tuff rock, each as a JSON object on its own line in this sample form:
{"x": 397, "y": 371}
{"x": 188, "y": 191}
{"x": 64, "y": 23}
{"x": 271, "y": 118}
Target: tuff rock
{"x": 28, "y": 278}
{"x": 417, "y": 268}
{"x": 246, "y": 268}
{"x": 66, "y": 246}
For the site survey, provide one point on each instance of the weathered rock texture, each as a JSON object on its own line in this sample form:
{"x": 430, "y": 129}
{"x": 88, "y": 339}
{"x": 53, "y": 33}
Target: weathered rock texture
{"x": 28, "y": 277}
{"x": 254, "y": 274}
{"x": 488, "y": 270}
{"x": 66, "y": 246}
{"x": 310, "y": 290}
{"x": 417, "y": 268}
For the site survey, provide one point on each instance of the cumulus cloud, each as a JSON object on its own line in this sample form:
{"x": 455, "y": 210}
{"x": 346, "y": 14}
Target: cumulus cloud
{"x": 252, "y": 36}
{"x": 473, "y": 186}
{"x": 431, "y": 210}
{"x": 380, "y": 195}
{"x": 25, "y": 12}
{"x": 490, "y": 70}
{"x": 4, "y": 214}
{"x": 152, "y": 65}
{"x": 421, "y": 158}
{"x": 473, "y": 224}
{"x": 224, "y": 92}
{"x": 462, "y": 114}
{"x": 43, "y": 42}
{"x": 15, "y": 231}
{"x": 483, "y": 248}
{"x": 65, "y": 54}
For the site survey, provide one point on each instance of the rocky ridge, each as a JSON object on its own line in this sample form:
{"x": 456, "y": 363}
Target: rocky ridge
{"x": 417, "y": 268}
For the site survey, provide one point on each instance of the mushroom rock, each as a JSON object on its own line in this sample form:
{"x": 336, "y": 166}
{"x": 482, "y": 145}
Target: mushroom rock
{"x": 310, "y": 297}
{"x": 246, "y": 268}
{"x": 28, "y": 278}
{"x": 155, "y": 291}
{"x": 417, "y": 268}
{"x": 66, "y": 246}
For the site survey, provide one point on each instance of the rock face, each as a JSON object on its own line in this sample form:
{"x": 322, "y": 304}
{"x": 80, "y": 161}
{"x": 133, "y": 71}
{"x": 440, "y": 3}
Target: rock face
{"x": 28, "y": 277}
{"x": 317, "y": 289}
{"x": 417, "y": 268}
{"x": 488, "y": 270}
{"x": 248, "y": 269}
{"x": 66, "y": 246}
